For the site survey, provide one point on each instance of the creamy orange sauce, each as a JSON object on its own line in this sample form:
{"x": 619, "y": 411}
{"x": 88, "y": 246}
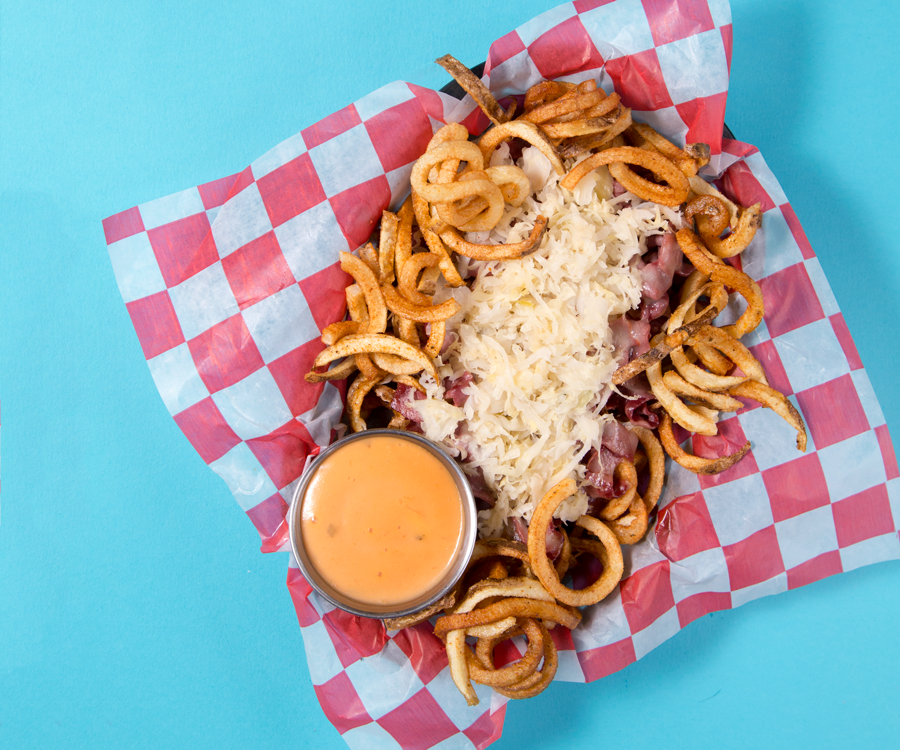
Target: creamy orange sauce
{"x": 382, "y": 520}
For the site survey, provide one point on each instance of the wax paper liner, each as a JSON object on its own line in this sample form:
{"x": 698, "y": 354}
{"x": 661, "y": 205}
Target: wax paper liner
{"x": 229, "y": 284}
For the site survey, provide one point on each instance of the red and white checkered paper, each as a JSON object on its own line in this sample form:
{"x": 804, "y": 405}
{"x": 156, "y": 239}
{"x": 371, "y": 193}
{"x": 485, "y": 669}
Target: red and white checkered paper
{"x": 230, "y": 283}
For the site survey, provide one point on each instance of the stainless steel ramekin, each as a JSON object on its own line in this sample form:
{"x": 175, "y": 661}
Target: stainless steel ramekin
{"x": 454, "y": 571}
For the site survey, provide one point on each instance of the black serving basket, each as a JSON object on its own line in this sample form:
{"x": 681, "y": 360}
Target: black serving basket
{"x": 455, "y": 90}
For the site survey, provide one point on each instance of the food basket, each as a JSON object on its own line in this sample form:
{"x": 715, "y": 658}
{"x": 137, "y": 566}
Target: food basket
{"x": 229, "y": 284}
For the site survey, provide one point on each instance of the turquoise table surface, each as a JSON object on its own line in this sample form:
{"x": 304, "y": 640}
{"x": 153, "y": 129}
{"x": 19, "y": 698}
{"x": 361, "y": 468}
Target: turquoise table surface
{"x": 136, "y": 610}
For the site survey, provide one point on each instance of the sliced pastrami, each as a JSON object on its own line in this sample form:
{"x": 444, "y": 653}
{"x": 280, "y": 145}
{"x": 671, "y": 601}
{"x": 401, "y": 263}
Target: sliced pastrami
{"x": 404, "y": 396}
{"x": 454, "y": 390}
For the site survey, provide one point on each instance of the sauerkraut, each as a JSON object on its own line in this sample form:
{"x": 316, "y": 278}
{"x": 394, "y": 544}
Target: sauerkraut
{"x": 535, "y": 335}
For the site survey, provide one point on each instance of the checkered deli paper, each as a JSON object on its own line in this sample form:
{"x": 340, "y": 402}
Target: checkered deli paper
{"x": 230, "y": 283}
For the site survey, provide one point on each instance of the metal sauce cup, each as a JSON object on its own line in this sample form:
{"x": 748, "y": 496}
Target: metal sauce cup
{"x": 451, "y": 575}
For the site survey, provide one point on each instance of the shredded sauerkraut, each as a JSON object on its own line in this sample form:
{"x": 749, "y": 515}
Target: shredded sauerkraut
{"x": 535, "y": 334}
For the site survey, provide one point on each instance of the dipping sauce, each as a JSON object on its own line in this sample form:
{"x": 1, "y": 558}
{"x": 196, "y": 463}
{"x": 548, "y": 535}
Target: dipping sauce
{"x": 382, "y": 520}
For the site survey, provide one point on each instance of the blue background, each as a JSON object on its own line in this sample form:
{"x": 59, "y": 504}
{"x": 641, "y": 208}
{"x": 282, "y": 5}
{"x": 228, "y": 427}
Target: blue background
{"x": 135, "y": 608}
